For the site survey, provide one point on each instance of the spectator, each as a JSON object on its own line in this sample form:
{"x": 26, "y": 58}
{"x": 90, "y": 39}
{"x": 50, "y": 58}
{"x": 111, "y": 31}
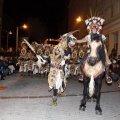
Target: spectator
{"x": 113, "y": 71}
{"x": 119, "y": 83}
{"x": 118, "y": 69}
{"x": 5, "y": 70}
{"x": 118, "y": 73}
{"x": 10, "y": 65}
{"x": 1, "y": 68}
{"x": 118, "y": 60}
{"x": 15, "y": 61}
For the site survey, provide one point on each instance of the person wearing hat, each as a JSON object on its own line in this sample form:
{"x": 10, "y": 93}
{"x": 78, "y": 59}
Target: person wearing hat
{"x": 57, "y": 59}
{"x": 94, "y": 26}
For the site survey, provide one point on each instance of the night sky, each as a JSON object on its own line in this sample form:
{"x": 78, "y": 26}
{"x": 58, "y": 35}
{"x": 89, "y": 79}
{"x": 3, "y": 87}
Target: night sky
{"x": 52, "y": 12}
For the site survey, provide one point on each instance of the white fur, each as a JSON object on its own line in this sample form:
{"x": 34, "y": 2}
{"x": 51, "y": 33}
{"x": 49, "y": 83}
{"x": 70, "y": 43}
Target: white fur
{"x": 86, "y": 22}
{"x": 102, "y": 21}
{"x": 91, "y": 86}
{"x": 62, "y": 62}
{"x": 98, "y": 18}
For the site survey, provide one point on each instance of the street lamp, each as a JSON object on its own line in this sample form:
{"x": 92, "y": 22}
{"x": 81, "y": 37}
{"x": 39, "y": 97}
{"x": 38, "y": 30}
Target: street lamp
{"x": 17, "y": 29}
{"x": 79, "y": 19}
{"x": 8, "y": 33}
{"x": 78, "y": 25}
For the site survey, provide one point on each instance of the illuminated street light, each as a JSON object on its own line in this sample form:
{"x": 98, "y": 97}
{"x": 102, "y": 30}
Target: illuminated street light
{"x": 25, "y": 26}
{"x": 79, "y": 19}
{"x": 17, "y": 29}
{"x": 78, "y": 25}
{"x": 8, "y": 33}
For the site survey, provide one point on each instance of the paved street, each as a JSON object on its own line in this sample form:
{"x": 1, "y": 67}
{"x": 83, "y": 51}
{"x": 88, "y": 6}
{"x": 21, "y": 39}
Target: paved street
{"x": 27, "y": 98}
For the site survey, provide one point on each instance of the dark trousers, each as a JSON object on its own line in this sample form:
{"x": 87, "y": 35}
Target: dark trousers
{"x": 1, "y": 75}
{"x": 55, "y": 92}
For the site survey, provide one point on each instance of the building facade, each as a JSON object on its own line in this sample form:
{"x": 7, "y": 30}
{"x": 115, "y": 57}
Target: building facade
{"x": 107, "y": 9}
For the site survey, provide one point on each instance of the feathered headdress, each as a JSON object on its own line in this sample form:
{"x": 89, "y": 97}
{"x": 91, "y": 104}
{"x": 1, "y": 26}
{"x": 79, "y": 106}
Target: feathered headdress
{"x": 94, "y": 22}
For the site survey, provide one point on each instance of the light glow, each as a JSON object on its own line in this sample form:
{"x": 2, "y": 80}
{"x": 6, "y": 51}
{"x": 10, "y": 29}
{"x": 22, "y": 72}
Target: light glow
{"x": 24, "y": 26}
{"x": 79, "y": 19}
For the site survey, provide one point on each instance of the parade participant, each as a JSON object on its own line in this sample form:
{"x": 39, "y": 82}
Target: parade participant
{"x": 57, "y": 59}
{"x": 94, "y": 26}
{"x": 56, "y": 77}
{"x": 56, "y": 74}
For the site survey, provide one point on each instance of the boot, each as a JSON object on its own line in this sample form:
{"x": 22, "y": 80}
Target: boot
{"x": 81, "y": 77}
{"x": 54, "y": 100}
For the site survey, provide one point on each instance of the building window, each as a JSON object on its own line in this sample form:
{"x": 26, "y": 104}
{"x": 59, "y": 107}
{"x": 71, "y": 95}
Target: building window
{"x": 116, "y": 8}
{"x": 116, "y": 42}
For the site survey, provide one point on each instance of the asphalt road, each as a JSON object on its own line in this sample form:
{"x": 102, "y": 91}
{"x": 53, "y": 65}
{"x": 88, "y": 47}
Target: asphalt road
{"x": 27, "y": 98}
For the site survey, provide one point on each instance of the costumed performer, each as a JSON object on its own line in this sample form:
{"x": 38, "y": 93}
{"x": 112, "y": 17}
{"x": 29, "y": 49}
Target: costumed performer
{"x": 57, "y": 59}
{"x": 94, "y": 26}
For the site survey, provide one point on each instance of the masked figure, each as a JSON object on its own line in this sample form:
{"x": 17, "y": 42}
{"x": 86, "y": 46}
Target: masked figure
{"x": 94, "y": 27}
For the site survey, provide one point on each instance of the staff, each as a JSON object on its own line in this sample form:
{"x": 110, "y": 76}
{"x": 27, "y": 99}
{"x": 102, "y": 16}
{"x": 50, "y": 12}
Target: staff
{"x": 38, "y": 56}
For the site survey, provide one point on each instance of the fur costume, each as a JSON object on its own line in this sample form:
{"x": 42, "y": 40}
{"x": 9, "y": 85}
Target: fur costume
{"x": 94, "y": 27}
{"x": 97, "y": 23}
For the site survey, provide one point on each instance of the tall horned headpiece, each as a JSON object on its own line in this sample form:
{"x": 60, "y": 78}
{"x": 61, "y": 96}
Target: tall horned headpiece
{"x": 96, "y": 22}
{"x": 70, "y": 33}
{"x": 65, "y": 37}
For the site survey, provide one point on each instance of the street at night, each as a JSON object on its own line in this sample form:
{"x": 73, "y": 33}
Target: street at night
{"x": 60, "y": 60}
{"x": 27, "y": 98}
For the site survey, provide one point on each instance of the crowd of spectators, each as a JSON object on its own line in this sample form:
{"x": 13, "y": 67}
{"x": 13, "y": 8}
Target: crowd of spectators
{"x": 114, "y": 71}
{"x": 7, "y": 66}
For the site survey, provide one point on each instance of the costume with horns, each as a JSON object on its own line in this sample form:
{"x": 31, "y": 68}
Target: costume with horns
{"x": 96, "y": 23}
{"x": 56, "y": 77}
{"x": 57, "y": 59}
